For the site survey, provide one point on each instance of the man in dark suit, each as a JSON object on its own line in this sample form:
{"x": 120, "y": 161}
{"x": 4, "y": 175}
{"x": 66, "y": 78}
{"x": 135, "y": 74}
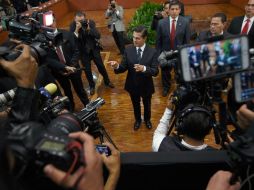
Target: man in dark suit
{"x": 217, "y": 26}
{"x": 171, "y": 32}
{"x": 141, "y": 62}
{"x": 244, "y": 24}
{"x": 87, "y": 37}
{"x": 67, "y": 56}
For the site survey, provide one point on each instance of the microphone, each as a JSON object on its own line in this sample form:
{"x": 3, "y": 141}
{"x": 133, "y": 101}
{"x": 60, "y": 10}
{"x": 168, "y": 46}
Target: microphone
{"x": 48, "y": 90}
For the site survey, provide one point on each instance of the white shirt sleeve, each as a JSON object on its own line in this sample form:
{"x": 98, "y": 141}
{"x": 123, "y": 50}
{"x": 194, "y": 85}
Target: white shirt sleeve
{"x": 162, "y": 129}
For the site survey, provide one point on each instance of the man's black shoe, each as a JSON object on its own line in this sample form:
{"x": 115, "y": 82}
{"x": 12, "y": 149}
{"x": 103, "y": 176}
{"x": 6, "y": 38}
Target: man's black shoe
{"x": 148, "y": 124}
{"x": 137, "y": 125}
{"x": 110, "y": 84}
{"x": 92, "y": 91}
{"x": 165, "y": 92}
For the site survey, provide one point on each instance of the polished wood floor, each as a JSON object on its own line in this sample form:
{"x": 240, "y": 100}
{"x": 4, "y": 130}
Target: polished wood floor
{"x": 117, "y": 114}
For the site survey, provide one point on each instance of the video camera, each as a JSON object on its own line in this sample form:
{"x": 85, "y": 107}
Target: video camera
{"x": 32, "y": 30}
{"x": 34, "y": 144}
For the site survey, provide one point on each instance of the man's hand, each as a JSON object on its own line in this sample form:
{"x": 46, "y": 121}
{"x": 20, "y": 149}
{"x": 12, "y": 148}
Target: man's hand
{"x": 69, "y": 70}
{"x": 245, "y": 117}
{"x": 78, "y": 26}
{"x": 220, "y": 181}
{"x": 113, "y": 64}
{"x": 23, "y": 69}
{"x": 139, "y": 68}
{"x": 113, "y": 165}
{"x": 88, "y": 177}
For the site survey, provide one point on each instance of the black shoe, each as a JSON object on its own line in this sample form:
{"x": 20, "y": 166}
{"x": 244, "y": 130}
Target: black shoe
{"x": 165, "y": 92}
{"x": 148, "y": 124}
{"x": 137, "y": 125}
{"x": 110, "y": 84}
{"x": 92, "y": 91}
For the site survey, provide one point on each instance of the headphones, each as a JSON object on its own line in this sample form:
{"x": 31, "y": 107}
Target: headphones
{"x": 191, "y": 108}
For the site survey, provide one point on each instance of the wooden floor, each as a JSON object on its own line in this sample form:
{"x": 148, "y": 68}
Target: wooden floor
{"x": 117, "y": 114}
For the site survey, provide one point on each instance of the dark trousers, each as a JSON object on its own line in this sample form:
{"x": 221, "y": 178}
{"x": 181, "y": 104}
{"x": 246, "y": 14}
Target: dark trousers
{"x": 135, "y": 99}
{"x": 75, "y": 79}
{"x": 119, "y": 40}
{"x": 166, "y": 78}
{"x": 86, "y": 61}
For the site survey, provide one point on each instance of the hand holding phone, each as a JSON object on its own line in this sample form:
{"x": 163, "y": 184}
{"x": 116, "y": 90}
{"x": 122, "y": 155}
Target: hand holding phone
{"x": 103, "y": 149}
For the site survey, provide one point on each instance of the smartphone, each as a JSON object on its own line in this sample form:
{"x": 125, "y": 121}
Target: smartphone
{"x": 103, "y": 149}
{"x": 244, "y": 86}
{"x": 214, "y": 59}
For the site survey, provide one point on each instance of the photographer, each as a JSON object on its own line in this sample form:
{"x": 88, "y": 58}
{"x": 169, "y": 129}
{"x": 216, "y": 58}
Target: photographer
{"x": 24, "y": 70}
{"x": 193, "y": 123}
{"x": 115, "y": 15}
{"x": 87, "y": 37}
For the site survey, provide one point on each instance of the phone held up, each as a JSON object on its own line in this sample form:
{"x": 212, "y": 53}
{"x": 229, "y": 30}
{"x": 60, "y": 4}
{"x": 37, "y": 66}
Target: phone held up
{"x": 103, "y": 149}
{"x": 214, "y": 59}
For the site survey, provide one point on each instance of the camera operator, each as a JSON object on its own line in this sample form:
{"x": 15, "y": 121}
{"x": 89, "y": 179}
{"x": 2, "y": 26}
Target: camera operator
{"x": 194, "y": 123}
{"x": 67, "y": 56}
{"x": 87, "y": 37}
{"x": 115, "y": 15}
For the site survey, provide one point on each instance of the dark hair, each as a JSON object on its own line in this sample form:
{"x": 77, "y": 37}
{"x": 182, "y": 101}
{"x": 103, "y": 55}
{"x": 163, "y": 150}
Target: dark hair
{"x": 141, "y": 29}
{"x": 174, "y": 2}
{"x": 80, "y": 13}
{"x": 197, "y": 124}
{"x": 222, "y": 16}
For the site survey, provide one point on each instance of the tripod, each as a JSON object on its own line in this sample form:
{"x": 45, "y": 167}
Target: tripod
{"x": 96, "y": 129}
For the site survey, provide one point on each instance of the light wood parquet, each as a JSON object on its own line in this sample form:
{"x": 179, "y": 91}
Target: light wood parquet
{"x": 117, "y": 115}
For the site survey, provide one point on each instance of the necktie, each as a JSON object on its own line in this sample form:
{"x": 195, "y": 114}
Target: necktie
{"x": 172, "y": 35}
{"x": 246, "y": 27}
{"x": 60, "y": 55}
{"x": 139, "y": 54}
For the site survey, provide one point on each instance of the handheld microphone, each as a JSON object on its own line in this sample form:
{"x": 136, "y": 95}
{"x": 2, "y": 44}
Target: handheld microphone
{"x": 48, "y": 90}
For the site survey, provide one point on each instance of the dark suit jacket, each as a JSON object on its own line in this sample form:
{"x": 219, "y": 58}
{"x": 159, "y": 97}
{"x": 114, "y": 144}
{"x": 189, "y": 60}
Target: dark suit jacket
{"x": 70, "y": 51}
{"x": 205, "y": 35}
{"x": 163, "y": 33}
{"x": 235, "y": 28}
{"x": 87, "y": 39}
{"x": 139, "y": 82}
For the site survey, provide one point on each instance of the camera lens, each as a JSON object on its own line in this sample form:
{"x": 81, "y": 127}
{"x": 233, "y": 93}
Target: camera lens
{"x": 65, "y": 124}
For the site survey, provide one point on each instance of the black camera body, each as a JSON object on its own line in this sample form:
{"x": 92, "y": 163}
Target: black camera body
{"x": 84, "y": 24}
{"x": 30, "y": 31}
{"x": 35, "y": 145}
{"x": 113, "y": 5}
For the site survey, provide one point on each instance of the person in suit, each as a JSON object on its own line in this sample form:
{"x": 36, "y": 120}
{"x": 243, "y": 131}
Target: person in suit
{"x": 87, "y": 37}
{"x": 171, "y": 32}
{"x": 115, "y": 23}
{"x": 67, "y": 56}
{"x": 141, "y": 62}
{"x": 217, "y": 26}
{"x": 244, "y": 24}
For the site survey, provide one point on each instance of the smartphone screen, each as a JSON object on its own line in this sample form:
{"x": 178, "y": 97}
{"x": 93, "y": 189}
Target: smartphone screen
{"x": 214, "y": 59}
{"x": 244, "y": 86}
{"x": 103, "y": 149}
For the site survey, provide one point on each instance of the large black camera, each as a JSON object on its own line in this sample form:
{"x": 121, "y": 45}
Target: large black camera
{"x": 32, "y": 31}
{"x": 84, "y": 23}
{"x": 34, "y": 145}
